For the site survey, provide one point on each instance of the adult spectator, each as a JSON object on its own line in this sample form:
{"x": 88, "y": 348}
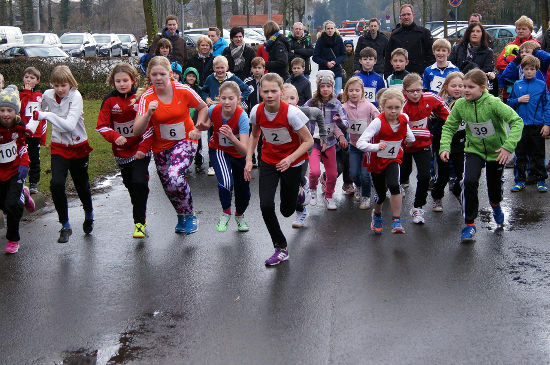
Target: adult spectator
{"x": 218, "y": 42}
{"x": 415, "y": 39}
{"x": 278, "y": 48}
{"x": 476, "y": 18}
{"x": 329, "y": 53}
{"x": 524, "y": 28}
{"x": 545, "y": 45}
{"x": 171, "y": 32}
{"x": 473, "y": 51}
{"x": 300, "y": 46}
{"x": 202, "y": 60}
{"x": 238, "y": 54}
{"x": 373, "y": 38}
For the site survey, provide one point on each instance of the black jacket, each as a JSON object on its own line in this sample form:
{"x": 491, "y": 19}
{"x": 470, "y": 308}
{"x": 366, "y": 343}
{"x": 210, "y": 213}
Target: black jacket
{"x": 483, "y": 58}
{"x": 417, "y": 41}
{"x": 248, "y": 55}
{"x": 254, "y": 98}
{"x": 302, "y": 84}
{"x": 302, "y": 48}
{"x": 545, "y": 45}
{"x": 278, "y": 57}
{"x": 330, "y": 49}
{"x": 379, "y": 45}
{"x": 203, "y": 65}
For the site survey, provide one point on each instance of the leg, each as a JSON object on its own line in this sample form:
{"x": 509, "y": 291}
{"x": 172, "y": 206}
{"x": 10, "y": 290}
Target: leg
{"x": 406, "y": 168}
{"x": 33, "y": 146}
{"x": 241, "y": 186}
{"x": 79, "y": 173}
{"x": 60, "y": 168}
{"x": 331, "y": 170}
{"x": 493, "y": 173}
{"x": 337, "y": 85}
{"x": 538, "y": 152}
{"x": 268, "y": 181}
{"x": 442, "y": 178}
{"x": 392, "y": 182}
{"x": 457, "y": 160}
{"x": 314, "y": 168}
{"x": 290, "y": 184}
{"x": 13, "y": 207}
{"x": 355, "y": 165}
{"x": 422, "y": 160}
{"x": 222, "y": 166}
{"x": 472, "y": 172}
{"x": 522, "y": 153}
{"x": 138, "y": 186}
{"x": 379, "y": 182}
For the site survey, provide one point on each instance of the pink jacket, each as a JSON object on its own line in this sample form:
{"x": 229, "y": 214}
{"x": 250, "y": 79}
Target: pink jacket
{"x": 359, "y": 117}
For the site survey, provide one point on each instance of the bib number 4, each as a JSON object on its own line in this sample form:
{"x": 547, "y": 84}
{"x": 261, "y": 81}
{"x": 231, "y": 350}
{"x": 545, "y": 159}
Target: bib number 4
{"x": 391, "y": 151}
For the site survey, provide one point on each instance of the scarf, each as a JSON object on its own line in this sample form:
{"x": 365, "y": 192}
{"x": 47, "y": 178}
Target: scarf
{"x": 202, "y": 57}
{"x": 269, "y": 43}
{"x": 237, "y": 55}
{"x": 471, "y": 50}
{"x": 330, "y": 42}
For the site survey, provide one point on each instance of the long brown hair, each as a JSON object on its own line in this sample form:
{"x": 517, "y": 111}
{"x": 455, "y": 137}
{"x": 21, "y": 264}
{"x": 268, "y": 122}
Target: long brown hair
{"x": 484, "y": 36}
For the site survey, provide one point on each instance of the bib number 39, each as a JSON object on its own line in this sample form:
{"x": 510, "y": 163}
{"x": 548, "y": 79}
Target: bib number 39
{"x": 276, "y": 136}
{"x": 8, "y": 152}
{"x": 173, "y": 132}
{"x": 482, "y": 130}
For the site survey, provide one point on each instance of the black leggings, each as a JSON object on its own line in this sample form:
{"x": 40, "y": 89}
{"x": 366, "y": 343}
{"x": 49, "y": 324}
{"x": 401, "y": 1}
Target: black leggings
{"x": 12, "y": 202}
{"x": 530, "y": 149}
{"x": 33, "y": 146}
{"x": 442, "y": 175}
{"x": 389, "y": 179}
{"x": 422, "y": 160}
{"x": 135, "y": 176}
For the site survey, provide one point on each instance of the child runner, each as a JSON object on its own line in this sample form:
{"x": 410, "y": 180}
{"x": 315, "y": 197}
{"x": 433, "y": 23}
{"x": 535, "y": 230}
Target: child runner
{"x": 14, "y": 166}
{"x": 191, "y": 78}
{"x": 487, "y": 145}
{"x": 163, "y": 112}
{"x": 419, "y": 106}
{"x": 177, "y": 71}
{"x": 132, "y": 154}
{"x": 227, "y": 152}
{"x": 360, "y": 113}
{"x": 335, "y": 118}
{"x": 382, "y": 141}
{"x": 286, "y": 142}
{"x": 62, "y": 106}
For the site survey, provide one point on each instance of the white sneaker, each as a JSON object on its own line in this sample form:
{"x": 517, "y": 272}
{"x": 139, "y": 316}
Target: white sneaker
{"x": 331, "y": 205}
{"x": 357, "y": 195}
{"x": 365, "y": 202}
{"x": 437, "y": 206}
{"x": 307, "y": 192}
{"x": 418, "y": 215}
{"x": 313, "y": 198}
{"x": 211, "y": 171}
{"x": 300, "y": 219}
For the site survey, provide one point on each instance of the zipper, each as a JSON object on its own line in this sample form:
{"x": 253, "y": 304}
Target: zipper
{"x": 483, "y": 139}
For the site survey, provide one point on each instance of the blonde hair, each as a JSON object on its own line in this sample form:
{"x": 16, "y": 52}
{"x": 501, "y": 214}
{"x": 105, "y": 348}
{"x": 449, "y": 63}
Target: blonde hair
{"x": 529, "y": 45}
{"x": 330, "y": 22}
{"x": 155, "y": 61}
{"x": 411, "y": 79}
{"x": 272, "y": 77}
{"x": 441, "y": 43}
{"x": 391, "y": 93}
{"x": 270, "y": 28}
{"x": 444, "y": 92}
{"x": 220, "y": 59}
{"x": 232, "y": 86}
{"x": 379, "y": 94}
{"x": 406, "y": 6}
{"x": 287, "y": 87}
{"x": 125, "y": 68}
{"x": 353, "y": 80}
{"x": 62, "y": 74}
{"x": 203, "y": 39}
{"x": 477, "y": 76}
{"x": 524, "y": 20}
{"x": 400, "y": 52}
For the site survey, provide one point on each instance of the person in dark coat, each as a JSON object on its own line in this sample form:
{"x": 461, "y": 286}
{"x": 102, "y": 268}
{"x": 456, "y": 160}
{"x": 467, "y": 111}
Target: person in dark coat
{"x": 300, "y": 46}
{"x": 329, "y": 53}
{"x": 300, "y": 82}
{"x": 278, "y": 48}
{"x": 202, "y": 60}
{"x": 373, "y": 38}
{"x": 238, "y": 54}
{"x": 415, "y": 39}
{"x": 171, "y": 32}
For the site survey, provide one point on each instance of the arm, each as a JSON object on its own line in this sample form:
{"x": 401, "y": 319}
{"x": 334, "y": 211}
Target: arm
{"x": 513, "y": 98}
{"x": 449, "y": 129}
{"x": 67, "y": 124}
{"x": 144, "y": 114}
{"x": 340, "y": 51}
{"x": 508, "y": 115}
{"x": 104, "y": 123}
{"x": 252, "y": 143}
{"x": 410, "y": 135}
{"x": 546, "y": 107}
{"x": 426, "y": 79}
{"x": 509, "y": 75}
{"x": 317, "y": 56}
{"x": 281, "y": 57}
{"x": 245, "y": 90}
{"x": 307, "y": 143}
{"x": 364, "y": 142}
{"x": 320, "y": 121}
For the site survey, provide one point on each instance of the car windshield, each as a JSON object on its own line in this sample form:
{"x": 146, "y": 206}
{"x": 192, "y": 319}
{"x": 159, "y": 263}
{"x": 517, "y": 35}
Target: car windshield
{"x": 124, "y": 38}
{"x": 72, "y": 39}
{"x": 33, "y": 39}
{"x": 102, "y": 38}
{"x": 45, "y": 52}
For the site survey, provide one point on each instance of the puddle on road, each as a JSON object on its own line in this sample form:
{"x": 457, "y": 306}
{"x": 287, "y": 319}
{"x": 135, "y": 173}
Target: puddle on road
{"x": 515, "y": 219}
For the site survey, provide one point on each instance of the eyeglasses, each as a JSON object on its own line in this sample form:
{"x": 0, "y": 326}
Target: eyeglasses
{"x": 416, "y": 91}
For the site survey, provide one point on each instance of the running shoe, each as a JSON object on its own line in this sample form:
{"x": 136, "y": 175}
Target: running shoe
{"x": 64, "y": 235}
{"x": 331, "y": 205}
{"x": 11, "y": 247}
{"x": 357, "y": 194}
{"x": 541, "y": 187}
{"x": 313, "y": 200}
{"x": 191, "y": 223}
{"x": 199, "y": 169}
{"x": 221, "y": 226}
{"x": 418, "y": 215}
{"x": 307, "y": 192}
{"x": 396, "y": 226}
{"x": 365, "y": 203}
{"x": 180, "y": 227}
{"x": 211, "y": 171}
{"x": 300, "y": 218}
{"x": 242, "y": 226}
{"x": 301, "y": 196}
{"x": 405, "y": 184}
{"x": 33, "y": 188}
{"x": 88, "y": 225}
{"x": 437, "y": 206}
{"x": 139, "y": 230}
{"x": 468, "y": 233}
{"x": 518, "y": 187}
{"x": 348, "y": 189}
{"x": 377, "y": 223}
{"x": 498, "y": 215}
{"x": 29, "y": 202}
{"x": 278, "y": 256}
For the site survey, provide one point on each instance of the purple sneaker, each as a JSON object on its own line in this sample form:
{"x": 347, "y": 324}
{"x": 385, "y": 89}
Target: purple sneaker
{"x": 277, "y": 257}
{"x": 29, "y": 202}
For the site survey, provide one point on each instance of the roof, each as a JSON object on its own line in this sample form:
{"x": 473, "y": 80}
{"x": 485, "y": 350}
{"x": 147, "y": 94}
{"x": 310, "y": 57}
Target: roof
{"x": 254, "y": 20}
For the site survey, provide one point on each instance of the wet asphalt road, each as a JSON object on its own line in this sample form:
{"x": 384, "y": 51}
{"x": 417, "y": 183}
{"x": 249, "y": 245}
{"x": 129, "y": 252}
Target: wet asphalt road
{"x": 344, "y": 297}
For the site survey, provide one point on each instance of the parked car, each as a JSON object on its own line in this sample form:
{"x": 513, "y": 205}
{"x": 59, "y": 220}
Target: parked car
{"x": 204, "y": 31}
{"x": 452, "y": 32}
{"x": 189, "y": 42}
{"x": 433, "y": 26}
{"x": 142, "y": 45}
{"x": 79, "y": 44}
{"x": 254, "y": 37}
{"x": 50, "y": 39}
{"x": 9, "y": 37}
{"x": 129, "y": 44}
{"x": 501, "y": 31}
{"x": 109, "y": 44}
{"x": 34, "y": 50}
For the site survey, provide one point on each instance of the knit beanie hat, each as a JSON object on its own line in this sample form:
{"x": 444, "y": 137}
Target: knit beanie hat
{"x": 325, "y": 77}
{"x": 176, "y": 67}
{"x": 349, "y": 41}
{"x": 9, "y": 97}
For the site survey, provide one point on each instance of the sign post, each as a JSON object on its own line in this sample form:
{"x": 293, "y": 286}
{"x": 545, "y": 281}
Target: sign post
{"x": 455, "y": 4}
{"x": 387, "y": 18}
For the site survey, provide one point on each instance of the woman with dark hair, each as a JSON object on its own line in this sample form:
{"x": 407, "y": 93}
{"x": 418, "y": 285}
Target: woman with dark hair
{"x": 329, "y": 53}
{"x": 278, "y": 48}
{"x": 238, "y": 54}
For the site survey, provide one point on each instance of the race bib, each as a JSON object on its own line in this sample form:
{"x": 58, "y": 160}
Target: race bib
{"x": 482, "y": 130}
{"x": 462, "y": 126}
{"x": 370, "y": 94}
{"x": 276, "y": 135}
{"x": 224, "y": 140}
{"x": 419, "y": 124}
{"x": 357, "y": 126}
{"x": 391, "y": 151}
{"x": 436, "y": 83}
{"x": 31, "y": 107}
{"x": 397, "y": 86}
{"x": 8, "y": 152}
{"x": 172, "y": 132}
{"x": 328, "y": 128}
{"x": 125, "y": 129}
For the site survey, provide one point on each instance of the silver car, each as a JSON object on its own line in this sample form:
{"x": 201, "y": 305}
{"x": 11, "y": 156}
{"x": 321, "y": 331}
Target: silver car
{"x": 79, "y": 44}
{"x": 50, "y": 39}
{"x": 109, "y": 44}
{"x": 129, "y": 44}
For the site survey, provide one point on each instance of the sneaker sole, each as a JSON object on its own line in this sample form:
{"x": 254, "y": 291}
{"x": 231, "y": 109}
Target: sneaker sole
{"x": 398, "y": 231}
{"x": 468, "y": 240}
{"x": 294, "y": 225}
{"x": 11, "y": 252}
{"x": 138, "y": 236}
{"x": 364, "y": 207}
{"x": 243, "y": 229}
{"x": 277, "y": 263}
{"x": 439, "y": 210}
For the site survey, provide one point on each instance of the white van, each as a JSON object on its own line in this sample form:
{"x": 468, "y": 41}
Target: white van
{"x": 9, "y": 37}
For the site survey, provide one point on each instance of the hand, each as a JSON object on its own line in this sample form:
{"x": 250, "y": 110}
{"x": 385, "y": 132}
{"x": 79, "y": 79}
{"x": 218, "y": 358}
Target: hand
{"x": 490, "y": 75}
{"x": 323, "y": 146}
{"x": 284, "y": 164}
{"x": 120, "y": 141}
{"x": 517, "y": 60}
{"x": 226, "y": 131}
{"x": 247, "y": 170}
{"x": 35, "y": 115}
{"x": 444, "y": 156}
{"x": 23, "y": 171}
{"x": 524, "y": 99}
{"x": 356, "y": 72}
{"x": 152, "y": 107}
{"x": 27, "y": 87}
{"x": 382, "y": 146}
{"x": 139, "y": 155}
{"x": 209, "y": 101}
{"x": 336, "y": 117}
{"x": 545, "y": 131}
{"x": 195, "y": 134}
{"x": 342, "y": 142}
{"x": 503, "y": 156}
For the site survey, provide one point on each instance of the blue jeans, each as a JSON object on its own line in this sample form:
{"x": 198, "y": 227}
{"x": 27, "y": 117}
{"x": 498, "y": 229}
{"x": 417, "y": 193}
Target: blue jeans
{"x": 337, "y": 85}
{"x": 359, "y": 173}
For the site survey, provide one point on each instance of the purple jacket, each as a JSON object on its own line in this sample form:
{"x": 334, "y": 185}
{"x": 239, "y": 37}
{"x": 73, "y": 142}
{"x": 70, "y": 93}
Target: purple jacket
{"x": 335, "y": 128}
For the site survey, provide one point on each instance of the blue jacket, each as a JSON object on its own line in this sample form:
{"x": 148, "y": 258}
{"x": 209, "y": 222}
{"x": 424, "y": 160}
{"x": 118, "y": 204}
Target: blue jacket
{"x": 211, "y": 87}
{"x": 219, "y": 46}
{"x": 513, "y": 71}
{"x": 324, "y": 53}
{"x": 372, "y": 82}
{"x": 537, "y": 110}
{"x": 434, "y": 77}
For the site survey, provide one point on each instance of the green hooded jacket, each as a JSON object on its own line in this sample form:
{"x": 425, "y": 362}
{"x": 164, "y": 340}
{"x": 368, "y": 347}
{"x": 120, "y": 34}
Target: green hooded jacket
{"x": 196, "y": 87}
{"x": 484, "y": 117}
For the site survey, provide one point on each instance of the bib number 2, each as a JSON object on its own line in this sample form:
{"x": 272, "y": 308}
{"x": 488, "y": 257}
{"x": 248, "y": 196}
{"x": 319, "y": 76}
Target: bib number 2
{"x": 276, "y": 136}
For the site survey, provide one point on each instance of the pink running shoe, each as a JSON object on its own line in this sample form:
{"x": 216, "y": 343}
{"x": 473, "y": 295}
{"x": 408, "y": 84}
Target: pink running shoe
{"x": 29, "y": 202}
{"x": 11, "y": 247}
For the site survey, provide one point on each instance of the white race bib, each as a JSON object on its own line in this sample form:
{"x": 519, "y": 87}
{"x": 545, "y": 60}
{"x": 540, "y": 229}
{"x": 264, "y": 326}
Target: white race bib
{"x": 391, "y": 150}
{"x": 125, "y": 129}
{"x": 370, "y": 94}
{"x": 462, "y": 126}
{"x": 31, "y": 107}
{"x": 224, "y": 140}
{"x": 8, "y": 152}
{"x": 173, "y": 132}
{"x": 482, "y": 130}
{"x": 357, "y": 126}
{"x": 276, "y": 135}
{"x": 397, "y": 86}
{"x": 419, "y": 124}
{"x": 436, "y": 83}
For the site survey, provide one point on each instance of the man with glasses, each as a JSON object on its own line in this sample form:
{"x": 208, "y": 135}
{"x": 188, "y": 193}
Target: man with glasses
{"x": 415, "y": 39}
{"x": 300, "y": 46}
{"x": 373, "y": 38}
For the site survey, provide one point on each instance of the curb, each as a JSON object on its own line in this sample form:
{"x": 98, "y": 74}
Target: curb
{"x": 39, "y": 203}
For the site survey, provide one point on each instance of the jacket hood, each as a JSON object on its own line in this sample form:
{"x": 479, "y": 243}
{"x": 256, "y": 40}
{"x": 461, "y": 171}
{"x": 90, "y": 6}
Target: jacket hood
{"x": 167, "y": 33}
{"x": 193, "y": 70}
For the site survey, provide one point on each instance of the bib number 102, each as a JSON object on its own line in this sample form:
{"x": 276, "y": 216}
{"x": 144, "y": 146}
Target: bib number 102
{"x": 125, "y": 131}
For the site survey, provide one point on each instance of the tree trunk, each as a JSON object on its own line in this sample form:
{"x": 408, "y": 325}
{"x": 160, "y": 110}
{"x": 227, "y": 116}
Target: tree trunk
{"x": 150, "y": 23}
{"x": 445, "y": 18}
{"x": 219, "y": 23}
{"x": 64, "y": 13}
{"x": 544, "y": 14}
{"x": 234, "y": 7}
{"x": 3, "y": 12}
{"x": 50, "y": 17}
{"x": 424, "y": 12}
{"x": 470, "y": 7}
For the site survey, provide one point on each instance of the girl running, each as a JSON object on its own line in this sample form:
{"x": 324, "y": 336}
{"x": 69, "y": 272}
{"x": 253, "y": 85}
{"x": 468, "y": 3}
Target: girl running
{"x": 360, "y": 113}
{"x": 382, "y": 140}
{"x": 286, "y": 142}
{"x": 487, "y": 145}
{"x": 227, "y": 151}
{"x": 163, "y": 114}
{"x": 62, "y": 107}
{"x": 132, "y": 154}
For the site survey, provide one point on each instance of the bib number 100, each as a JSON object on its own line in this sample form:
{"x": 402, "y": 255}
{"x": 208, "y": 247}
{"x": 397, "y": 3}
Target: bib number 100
{"x": 8, "y": 152}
